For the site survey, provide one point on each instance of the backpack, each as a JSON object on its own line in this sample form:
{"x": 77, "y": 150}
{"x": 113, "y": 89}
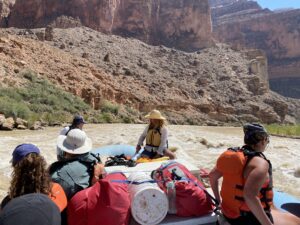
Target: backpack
{"x": 192, "y": 199}
{"x": 119, "y": 160}
{"x": 105, "y": 203}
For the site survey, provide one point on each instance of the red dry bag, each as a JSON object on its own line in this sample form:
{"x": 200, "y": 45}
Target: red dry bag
{"x": 105, "y": 203}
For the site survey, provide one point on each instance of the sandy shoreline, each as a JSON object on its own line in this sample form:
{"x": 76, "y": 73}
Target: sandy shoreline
{"x": 284, "y": 153}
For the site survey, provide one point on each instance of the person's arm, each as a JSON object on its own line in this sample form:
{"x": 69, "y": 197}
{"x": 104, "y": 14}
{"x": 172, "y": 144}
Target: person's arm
{"x": 256, "y": 173}
{"x": 99, "y": 172}
{"x": 214, "y": 177}
{"x": 141, "y": 139}
{"x": 163, "y": 140}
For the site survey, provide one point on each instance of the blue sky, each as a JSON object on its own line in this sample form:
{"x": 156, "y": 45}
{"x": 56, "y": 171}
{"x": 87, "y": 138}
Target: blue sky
{"x": 276, "y": 4}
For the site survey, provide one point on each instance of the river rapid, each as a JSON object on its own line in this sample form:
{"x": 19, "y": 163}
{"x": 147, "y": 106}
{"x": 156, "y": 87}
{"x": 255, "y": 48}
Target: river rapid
{"x": 199, "y": 145}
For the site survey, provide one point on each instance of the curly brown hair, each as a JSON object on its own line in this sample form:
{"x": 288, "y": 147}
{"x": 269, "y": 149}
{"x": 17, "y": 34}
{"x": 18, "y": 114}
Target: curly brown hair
{"x": 30, "y": 175}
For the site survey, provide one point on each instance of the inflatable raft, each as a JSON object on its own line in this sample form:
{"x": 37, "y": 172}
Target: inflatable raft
{"x": 112, "y": 150}
{"x": 127, "y": 150}
{"x": 282, "y": 200}
{"x": 287, "y": 202}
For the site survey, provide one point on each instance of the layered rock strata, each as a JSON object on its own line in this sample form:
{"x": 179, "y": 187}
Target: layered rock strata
{"x": 245, "y": 25}
{"x": 214, "y": 86}
{"x": 183, "y": 24}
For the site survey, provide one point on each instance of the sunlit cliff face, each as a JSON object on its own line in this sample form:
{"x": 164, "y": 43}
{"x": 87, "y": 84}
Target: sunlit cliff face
{"x": 183, "y": 24}
{"x": 274, "y": 32}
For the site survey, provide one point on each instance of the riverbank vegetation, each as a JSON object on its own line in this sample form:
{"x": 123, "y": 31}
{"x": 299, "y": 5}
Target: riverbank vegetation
{"x": 284, "y": 130}
{"x": 39, "y": 99}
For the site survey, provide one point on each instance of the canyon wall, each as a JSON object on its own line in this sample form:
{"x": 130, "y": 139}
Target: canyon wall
{"x": 183, "y": 24}
{"x": 276, "y": 33}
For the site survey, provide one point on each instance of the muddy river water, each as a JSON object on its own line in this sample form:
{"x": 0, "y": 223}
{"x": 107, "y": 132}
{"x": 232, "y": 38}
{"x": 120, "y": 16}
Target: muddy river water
{"x": 199, "y": 145}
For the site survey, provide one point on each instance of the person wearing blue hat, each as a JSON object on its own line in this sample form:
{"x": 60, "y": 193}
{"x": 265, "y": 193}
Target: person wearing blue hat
{"x": 23, "y": 150}
{"x": 77, "y": 123}
{"x": 30, "y": 209}
{"x": 30, "y": 175}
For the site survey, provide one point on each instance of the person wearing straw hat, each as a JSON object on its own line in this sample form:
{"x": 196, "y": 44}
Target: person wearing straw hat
{"x": 80, "y": 168}
{"x": 156, "y": 135}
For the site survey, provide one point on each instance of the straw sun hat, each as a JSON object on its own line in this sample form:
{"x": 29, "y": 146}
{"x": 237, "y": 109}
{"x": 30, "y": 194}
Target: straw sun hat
{"x": 155, "y": 114}
{"x": 76, "y": 142}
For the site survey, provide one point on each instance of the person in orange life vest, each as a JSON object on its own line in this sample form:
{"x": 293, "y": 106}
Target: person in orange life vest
{"x": 254, "y": 206}
{"x": 30, "y": 175}
{"x": 156, "y": 135}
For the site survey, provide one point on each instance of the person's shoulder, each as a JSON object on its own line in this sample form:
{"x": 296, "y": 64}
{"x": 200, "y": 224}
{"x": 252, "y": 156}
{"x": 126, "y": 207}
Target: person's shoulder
{"x": 259, "y": 163}
{"x": 64, "y": 130}
{"x": 164, "y": 128}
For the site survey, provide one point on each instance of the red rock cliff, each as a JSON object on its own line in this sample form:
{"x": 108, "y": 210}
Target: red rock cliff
{"x": 276, "y": 33}
{"x": 184, "y": 24}
{"x": 4, "y": 10}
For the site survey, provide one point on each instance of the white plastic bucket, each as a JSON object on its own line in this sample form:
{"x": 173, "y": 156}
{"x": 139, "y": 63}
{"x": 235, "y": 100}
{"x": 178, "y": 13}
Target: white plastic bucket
{"x": 149, "y": 204}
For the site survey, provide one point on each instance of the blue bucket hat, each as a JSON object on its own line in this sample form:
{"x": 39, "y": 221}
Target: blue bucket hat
{"x": 22, "y": 150}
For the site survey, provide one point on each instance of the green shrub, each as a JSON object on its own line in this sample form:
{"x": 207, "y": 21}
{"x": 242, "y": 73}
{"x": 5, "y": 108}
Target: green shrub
{"x": 40, "y": 108}
{"x": 9, "y": 108}
{"x": 289, "y": 130}
{"x": 190, "y": 121}
{"x": 10, "y": 93}
{"x": 127, "y": 119}
{"x": 56, "y": 117}
{"x": 40, "y": 99}
{"x": 32, "y": 118}
{"x": 130, "y": 110}
{"x": 29, "y": 75}
{"x": 106, "y": 118}
{"x": 99, "y": 117}
{"x": 108, "y": 107}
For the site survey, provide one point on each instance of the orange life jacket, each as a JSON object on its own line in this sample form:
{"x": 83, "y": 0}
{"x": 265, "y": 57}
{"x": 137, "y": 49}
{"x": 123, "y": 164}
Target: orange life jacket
{"x": 58, "y": 196}
{"x": 231, "y": 164}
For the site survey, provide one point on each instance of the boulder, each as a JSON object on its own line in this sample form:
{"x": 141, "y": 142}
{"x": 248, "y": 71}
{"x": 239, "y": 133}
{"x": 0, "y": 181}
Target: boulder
{"x": 49, "y": 33}
{"x": 40, "y": 36}
{"x": 2, "y": 119}
{"x": 37, "y": 125}
{"x": 21, "y": 127}
{"x": 8, "y": 124}
{"x": 21, "y": 122}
